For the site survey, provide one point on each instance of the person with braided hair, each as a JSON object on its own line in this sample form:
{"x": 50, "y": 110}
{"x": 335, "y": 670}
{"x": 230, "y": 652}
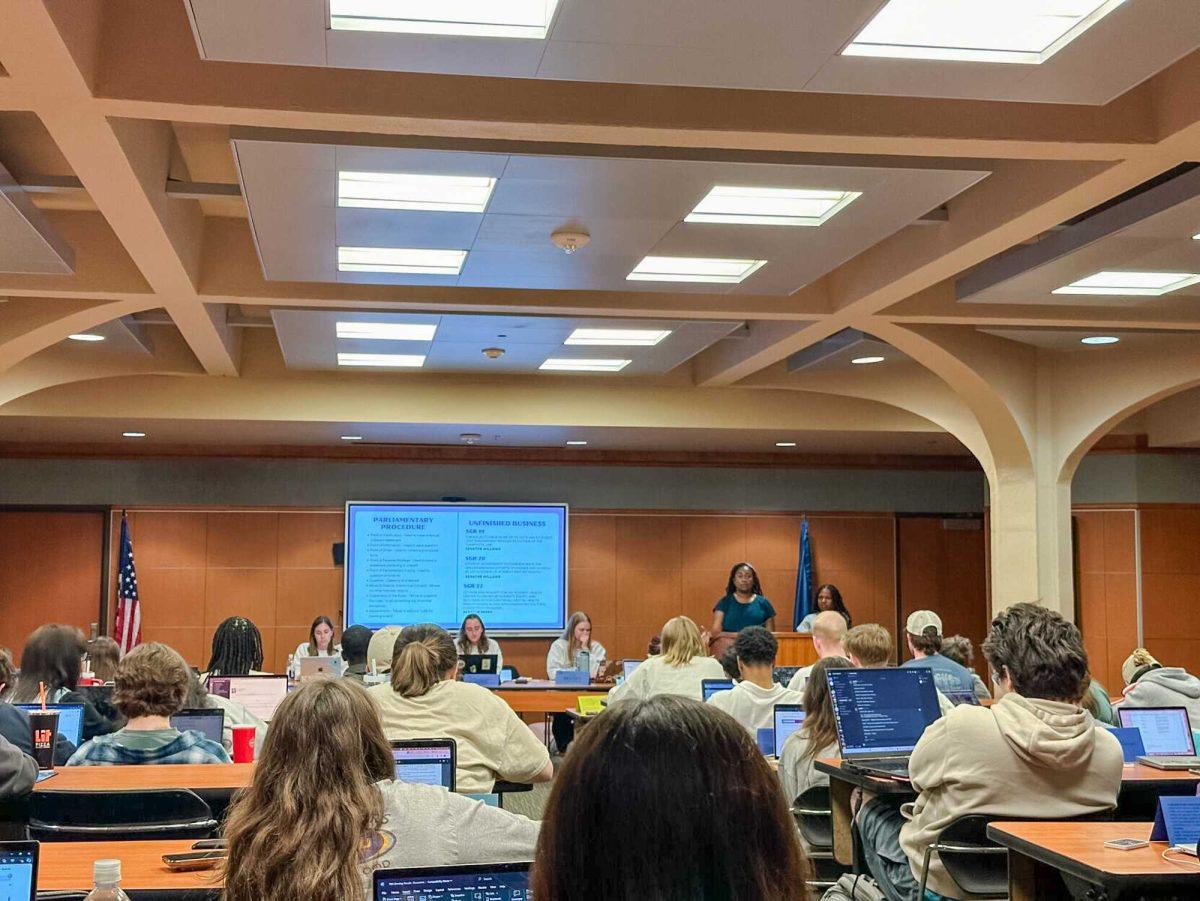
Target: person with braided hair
{"x": 236, "y": 649}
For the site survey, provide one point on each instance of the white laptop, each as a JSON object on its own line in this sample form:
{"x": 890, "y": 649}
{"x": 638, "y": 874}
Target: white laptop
{"x": 1166, "y": 736}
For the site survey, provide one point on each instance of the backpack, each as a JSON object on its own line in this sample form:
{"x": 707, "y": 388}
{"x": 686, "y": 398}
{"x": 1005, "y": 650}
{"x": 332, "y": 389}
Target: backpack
{"x": 854, "y": 888}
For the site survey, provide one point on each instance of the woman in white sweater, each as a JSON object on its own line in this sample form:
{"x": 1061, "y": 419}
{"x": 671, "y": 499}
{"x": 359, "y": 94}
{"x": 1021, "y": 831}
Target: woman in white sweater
{"x": 576, "y": 637}
{"x": 678, "y": 670}
{"x": 473, "y": 639}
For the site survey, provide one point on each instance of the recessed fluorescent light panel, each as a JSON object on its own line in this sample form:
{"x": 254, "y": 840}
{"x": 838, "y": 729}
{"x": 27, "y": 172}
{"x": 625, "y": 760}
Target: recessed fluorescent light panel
{"x": 401, "y": 191}
{"x": 694, "y": 269}
{"x": 352, "y": 437}
{"x": 576, "y": 443}
{"x": 401, "y": 260}
{"x": 770, "y": 206}
{"x": 991, "y": 31}
{"x": 386, "y": 331}
{"x": 392, "y": 361}
{"x": 785, "y": 443}
{"x": 616, "y": 337}
{"x": 1099, "y": 339}
{"x": 561, "y": 365}
{"x": 473, "y": 18}
{"x": 1135, "y": 284}
{"x": 133, "y": 434}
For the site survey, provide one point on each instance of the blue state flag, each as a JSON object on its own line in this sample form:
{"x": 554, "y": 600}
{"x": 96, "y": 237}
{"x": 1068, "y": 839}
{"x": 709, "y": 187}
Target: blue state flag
{"x": 804, "y": 577}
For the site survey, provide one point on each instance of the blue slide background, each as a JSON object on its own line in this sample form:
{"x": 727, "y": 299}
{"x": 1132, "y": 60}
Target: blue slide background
{"x": 418, "y": 563}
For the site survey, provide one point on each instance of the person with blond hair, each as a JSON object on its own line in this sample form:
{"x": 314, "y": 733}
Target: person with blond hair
{"x": 151, "y": 685}
{"x": 576, "y": 637}
{"x": 828, "y": 631}
{"x": 424, "y": 699}
{"x": 869, "y": 646}
{"x": 1150, "y": 684}
{"x": 678, "y": 670}
{"x": 324, "y": 809}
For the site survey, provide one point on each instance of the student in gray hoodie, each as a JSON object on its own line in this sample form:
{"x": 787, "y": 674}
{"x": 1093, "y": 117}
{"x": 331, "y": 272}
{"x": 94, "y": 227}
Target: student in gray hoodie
{"x": 1150, "y": 684}
{"x": 1034, "y": 753}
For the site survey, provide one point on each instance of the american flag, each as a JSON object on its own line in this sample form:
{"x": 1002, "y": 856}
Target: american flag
{"x": 129, "y": 610}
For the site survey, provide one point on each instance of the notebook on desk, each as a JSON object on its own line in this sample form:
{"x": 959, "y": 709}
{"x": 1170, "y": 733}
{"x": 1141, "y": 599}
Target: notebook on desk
{"x": 507, "y": 881}
{"x": 18, "y": 871}
{"x": 881, "y": 714}
{"x": 70, "y": 722}
{"x": 1166, "y": 736}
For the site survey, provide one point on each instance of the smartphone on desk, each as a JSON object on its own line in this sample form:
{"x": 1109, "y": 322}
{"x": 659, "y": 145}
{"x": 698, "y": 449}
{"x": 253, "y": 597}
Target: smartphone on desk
{"x": 195, "y": 860}
{"x": 1126, "y": 844}
{"x": 207, "y": 844}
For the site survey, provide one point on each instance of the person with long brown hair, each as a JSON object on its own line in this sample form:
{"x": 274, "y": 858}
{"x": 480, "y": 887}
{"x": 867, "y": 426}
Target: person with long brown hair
{"x": 103, "y": 655}
{"x": 816, "y": 738}
{"x": 323, "y": 810}
{"x": 576, "y": 637}
{"x": 667, "y": 799}
{"x": 53, "y": 656}
{"x": 424, "y": 699}
{"x": 473, "y": 639}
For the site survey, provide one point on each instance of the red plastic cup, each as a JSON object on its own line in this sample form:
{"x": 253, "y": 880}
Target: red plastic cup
{"x": 243, "y": 744}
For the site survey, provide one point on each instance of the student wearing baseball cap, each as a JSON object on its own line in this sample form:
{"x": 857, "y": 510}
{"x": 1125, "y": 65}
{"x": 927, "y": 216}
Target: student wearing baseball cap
{"x": 1150, "y": 684}
{"x": 924, "y": 628}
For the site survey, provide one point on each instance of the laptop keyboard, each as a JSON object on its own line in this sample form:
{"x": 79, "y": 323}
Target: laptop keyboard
{"x": 1175, "y": 761}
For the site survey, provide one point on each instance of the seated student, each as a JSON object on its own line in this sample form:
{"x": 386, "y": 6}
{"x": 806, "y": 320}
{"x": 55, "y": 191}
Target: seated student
{"x": 14, "y": 723}
{"x": 324, "y": 809}
{"x": 53, "y": 656}
{"x": 236, "y": 713}
{"x": 425, "y": 700}
{"x": 18, "y": 771}
{"x": 827, "y": 598}
{"x": 473, "y": 639}
{"x": 1150, "y": 684}
{"x": 924, "y": 629}
{"x": 565, "y": 650}
{"x": 710, "y": 821}
{"x": 752, "y": 700}
{"x": 152, "y": 683}
{"x": 678, "y": 670}
{"x": 1095, "y": 701}
{"x": 355, "y": 642}
{"x": 236, "y": 649}
{"x": 958, "y": 648}
{"x": 381, "y": 648}
{"x": 829, "y": 628}
{"x": 730, "y": 665}
{"x": 103, "y": 656}
{"x": 869, "y": 646}
{"x": 815, "y": 739}
{"x": 654, "y": 645}
{"x": 1034, "y": 753}
{"x": 320, "y": 644}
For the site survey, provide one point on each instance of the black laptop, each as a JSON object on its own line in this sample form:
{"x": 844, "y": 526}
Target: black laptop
{"x": 881, "y": 714}
{"x": 481, "y": 663}
{"x": 498, "y": 881}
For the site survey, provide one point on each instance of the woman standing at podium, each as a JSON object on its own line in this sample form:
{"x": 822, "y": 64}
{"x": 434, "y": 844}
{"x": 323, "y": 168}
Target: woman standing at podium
{"x": 743, "y": 605}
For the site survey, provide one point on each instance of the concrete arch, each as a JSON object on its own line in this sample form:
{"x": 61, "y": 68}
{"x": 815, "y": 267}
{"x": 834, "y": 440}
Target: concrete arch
{"x": 33, "y": 325}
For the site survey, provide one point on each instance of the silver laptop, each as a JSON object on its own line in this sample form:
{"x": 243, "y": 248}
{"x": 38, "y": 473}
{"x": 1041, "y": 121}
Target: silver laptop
{"x": 1166, "y": 736}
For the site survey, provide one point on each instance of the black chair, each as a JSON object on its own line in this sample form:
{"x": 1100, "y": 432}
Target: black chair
{"x": 814, "y": 818}
{"x": 977, "y": 864}
{"x": 120, "y": 815}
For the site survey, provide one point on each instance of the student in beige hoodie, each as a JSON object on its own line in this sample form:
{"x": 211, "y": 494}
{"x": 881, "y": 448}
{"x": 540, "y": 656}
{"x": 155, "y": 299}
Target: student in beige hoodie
{"x": 1034, "y": 753}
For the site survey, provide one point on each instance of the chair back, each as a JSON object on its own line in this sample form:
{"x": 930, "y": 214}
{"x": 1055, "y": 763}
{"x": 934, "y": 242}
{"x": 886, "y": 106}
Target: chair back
{"x": 814, "y": 817}
{"x": 117, "y": 815}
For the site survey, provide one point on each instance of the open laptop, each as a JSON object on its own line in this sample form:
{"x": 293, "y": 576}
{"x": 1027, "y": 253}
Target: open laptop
{"x": 962, "y": 697}
{"x": 259, "y": 694}
{"x": 429, "y": 761}
{"x": 208, "y": 721}
{"x": 788, "y": 718}
{"x": 18, "y": 871}
{"x": 70, "y": 722}
{"x": 881, "y": 714}
{"x": 710, "y": 687}
{"x": 1166, "y": 735}
{"x": 320, "y": 667}
{"x": 628, "y": 666}
{"x": 488, "y": 882}
{"x": 480, "y": 663}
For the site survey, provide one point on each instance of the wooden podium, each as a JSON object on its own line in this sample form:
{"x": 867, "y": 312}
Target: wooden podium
{"x": 795, "y": 649}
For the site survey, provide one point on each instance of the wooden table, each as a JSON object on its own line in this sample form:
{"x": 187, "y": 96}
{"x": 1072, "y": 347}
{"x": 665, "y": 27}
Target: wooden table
{"x": 198, "y": 777}
{"x": 1039, "y": 852}
{"x": 541, "y": 696}
{"x": 67, "y": 866}
{"x": 1140, "y": 788}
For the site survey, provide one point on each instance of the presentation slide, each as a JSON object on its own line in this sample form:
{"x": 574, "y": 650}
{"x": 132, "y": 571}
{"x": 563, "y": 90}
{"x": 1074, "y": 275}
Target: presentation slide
{"x": 436, "y": 563}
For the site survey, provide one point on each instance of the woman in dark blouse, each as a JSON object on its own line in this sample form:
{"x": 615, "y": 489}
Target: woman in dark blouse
{"x": 742, "y": 606}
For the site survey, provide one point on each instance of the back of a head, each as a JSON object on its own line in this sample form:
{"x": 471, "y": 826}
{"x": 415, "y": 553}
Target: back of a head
{"x": 104, "y": 654}
{"x": 959, "y": 649}
{"x": 151, "y": 680}
{"x": 8, "y": 670}
{"x": 1042, "y": 653}
{"x": 423, "y": 655}
{"x": 829, "y": 626}
{"x": 755, "y": 646}
{"x": 302, "y": 820}
{"x": 52, "y": 655}
{"x": 1137, "y": 665}
{"x": 681, "y": 641}
{"x": 870, "y": 644}
{"x": 924, "y": 629}
{"x": 236, "y": 648}
{"x": 729, "y": 663}
{"x": 355, "y": 642}
{"x": 720, "y": 828}
{"x": 382, "y": 645}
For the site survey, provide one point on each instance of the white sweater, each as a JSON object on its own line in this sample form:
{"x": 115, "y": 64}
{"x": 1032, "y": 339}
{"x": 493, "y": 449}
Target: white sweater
{"x": 557, "y": 658}
{"x": 752, "y": 706}
{"x": 657, "y": 677}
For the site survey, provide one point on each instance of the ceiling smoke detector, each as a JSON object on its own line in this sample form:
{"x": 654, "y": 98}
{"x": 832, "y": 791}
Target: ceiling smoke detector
{"x": 493, "y": 353}
{"x": 470, "y": 437}
{"x": 570, "y": 238}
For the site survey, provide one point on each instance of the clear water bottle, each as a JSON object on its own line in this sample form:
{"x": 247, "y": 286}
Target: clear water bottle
{"x": 106, "y": 874}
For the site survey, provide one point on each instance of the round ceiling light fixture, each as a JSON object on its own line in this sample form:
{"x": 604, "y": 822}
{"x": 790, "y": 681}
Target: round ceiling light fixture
{"x": 493, "y": 353}
{"x": 570, "y": 238}
{"x": 470, "y": 437}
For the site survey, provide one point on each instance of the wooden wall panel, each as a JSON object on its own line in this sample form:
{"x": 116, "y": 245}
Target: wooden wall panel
{"x": 942, "y": 569}
{"x": 49, "y": 561}
{"x": 1171, "y": 584}
{"x": 1106, "y": 579}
